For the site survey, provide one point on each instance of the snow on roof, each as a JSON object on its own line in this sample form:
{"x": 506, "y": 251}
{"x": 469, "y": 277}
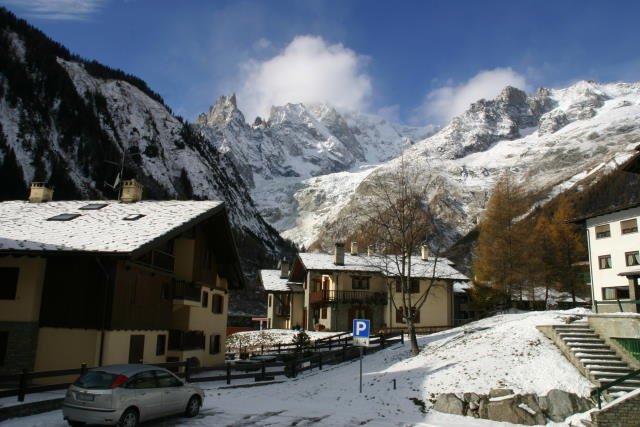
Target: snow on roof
{"x": 114, "y": 228}
{"x": 461, "y": 287}
{"x": 272, "y": 282}
{"x": 375, "y": 263}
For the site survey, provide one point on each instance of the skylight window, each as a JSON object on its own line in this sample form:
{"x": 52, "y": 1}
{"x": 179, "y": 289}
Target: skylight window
{"x": 133, "y": 217}
{"x": 93, "y": 206}
{"x": 63, "y": 217}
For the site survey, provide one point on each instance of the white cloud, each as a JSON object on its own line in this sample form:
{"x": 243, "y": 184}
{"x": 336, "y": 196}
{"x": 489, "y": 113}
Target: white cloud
{"x": 262, "y": 43}
{"x": 64, "y": 10}
{"x": 442, "y": 104}
{"x": 308, "y": 70}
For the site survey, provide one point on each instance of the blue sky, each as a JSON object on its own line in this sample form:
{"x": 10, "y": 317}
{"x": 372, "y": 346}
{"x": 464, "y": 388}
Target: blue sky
{"x": 415, "y": 62}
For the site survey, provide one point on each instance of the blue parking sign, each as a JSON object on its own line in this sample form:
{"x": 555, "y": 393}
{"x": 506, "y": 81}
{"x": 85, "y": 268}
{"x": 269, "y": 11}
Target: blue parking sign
{"x": 361, "y": 331}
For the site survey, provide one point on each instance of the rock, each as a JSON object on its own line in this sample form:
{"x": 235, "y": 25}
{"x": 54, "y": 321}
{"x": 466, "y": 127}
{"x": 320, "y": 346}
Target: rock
{"x": 531, "y": 401}
{"x": 473, "y": 404}
{"x": 561, "y": 404}
{"x": 513, "y": 410}
{"x": 500, "y": 392}
{"x": 449, "y": 403}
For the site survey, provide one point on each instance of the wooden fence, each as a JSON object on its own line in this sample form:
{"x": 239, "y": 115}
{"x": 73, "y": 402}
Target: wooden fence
{"x": 333, "y": 350}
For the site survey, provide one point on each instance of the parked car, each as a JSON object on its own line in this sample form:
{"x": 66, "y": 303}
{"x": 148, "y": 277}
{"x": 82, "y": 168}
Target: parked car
{"x": 125, "y": 395}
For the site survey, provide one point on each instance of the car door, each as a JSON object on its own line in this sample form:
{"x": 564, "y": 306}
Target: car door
{"x": 174, "y": 396}
{"x": 147, "y": 394}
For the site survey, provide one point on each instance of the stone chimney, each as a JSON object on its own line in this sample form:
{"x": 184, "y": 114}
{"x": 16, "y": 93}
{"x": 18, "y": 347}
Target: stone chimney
{"x": 339, "y": 254}
{"x": 425, "y": 252}
{"x": 354, "y": 248}
{"x": 40, "y": 193}
{"x": 131, "y": 191}
{"x": 284, "y": 268}
{"x": 370, "y": 250}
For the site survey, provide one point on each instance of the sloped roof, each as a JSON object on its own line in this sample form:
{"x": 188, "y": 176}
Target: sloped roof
{"x": 375, "y": 263}
{"x": 27, "y": 226}
{"x": 272, "y": 282}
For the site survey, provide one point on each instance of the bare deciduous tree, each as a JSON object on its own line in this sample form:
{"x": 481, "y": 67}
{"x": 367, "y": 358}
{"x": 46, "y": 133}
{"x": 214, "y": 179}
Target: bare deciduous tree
{"x": 398, "y": 222}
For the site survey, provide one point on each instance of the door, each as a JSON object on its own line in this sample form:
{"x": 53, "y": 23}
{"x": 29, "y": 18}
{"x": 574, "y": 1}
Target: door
{"x": 147, "y": 394}
{"x": 304, "y": 319}
{"x": 174, "y": 395}
{"x": 358, "y": 312}
{"x": 136, "y": 348}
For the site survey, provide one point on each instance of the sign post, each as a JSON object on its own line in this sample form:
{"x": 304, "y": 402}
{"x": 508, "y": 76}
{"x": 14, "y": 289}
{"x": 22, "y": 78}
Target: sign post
{"x": 361, "y": 331}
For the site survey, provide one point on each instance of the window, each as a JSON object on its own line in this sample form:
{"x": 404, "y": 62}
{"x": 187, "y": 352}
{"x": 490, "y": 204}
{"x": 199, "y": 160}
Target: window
{"x": 400, "y": 317}
{"x": 619, "y": 292}
{"x": 414, "y": 286}
{"x": 214, "y": 344}
{"x": 359, "y": 282}
{"x": 629, "y": 226}
{"x": 143, "y": 380}
{"x": 63, "y": 217}
{"x": 93, "y": 206}
{"x": 133, "y": 217}
{"x": 217, "y": 304}
{"x": 4, "y": 341}
{"x": 604, "y": 261}
{"x": 603, "y": 231}
{"x": 9, "y": 282}
{"x": 205, "y": 299}
{"x": 165, "y": 379}
{"x": 632, "y": 258}
{"x": 161, "y": 345}
{"x": 323, "y": 313}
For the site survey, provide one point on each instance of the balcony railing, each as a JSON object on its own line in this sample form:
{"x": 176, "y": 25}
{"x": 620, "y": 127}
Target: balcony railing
{"x": 348, "y": 297}
{"x": 186, "y": 340}
{"x": 183, "y": 290}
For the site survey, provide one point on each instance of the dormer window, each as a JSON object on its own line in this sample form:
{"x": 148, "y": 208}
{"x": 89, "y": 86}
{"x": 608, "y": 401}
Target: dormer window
{"x": 603, "y": 231}
{"x": 133, "y": 217}
{"x": 63, "y": 217}
{"x": 93, "y": 206}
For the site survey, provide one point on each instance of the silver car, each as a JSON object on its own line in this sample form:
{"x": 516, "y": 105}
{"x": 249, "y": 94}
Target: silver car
{"x": 125, "y": 395}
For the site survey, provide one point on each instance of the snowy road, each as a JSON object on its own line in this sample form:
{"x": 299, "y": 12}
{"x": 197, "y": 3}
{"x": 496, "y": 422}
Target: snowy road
{"x": 504, "y": 351}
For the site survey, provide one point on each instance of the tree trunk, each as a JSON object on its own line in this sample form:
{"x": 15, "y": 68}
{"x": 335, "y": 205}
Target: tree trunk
{"x": 415, "y": 350}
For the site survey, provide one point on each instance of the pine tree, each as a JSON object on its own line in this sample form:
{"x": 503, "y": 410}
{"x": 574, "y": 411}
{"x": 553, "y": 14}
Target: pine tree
{"x": 568, "y": 248}
{"x": 500, "y": 253}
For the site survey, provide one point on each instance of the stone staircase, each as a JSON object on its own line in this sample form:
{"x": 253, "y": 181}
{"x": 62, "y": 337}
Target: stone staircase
{"x": 593, "y": 356}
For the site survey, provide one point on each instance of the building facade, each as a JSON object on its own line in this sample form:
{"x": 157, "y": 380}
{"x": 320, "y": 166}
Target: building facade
{"x": 326, "y": 292}
{"x": 106, "y": 282}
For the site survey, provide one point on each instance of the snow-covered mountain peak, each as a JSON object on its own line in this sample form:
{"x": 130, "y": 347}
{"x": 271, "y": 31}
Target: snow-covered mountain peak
{"x": 224, "y": 111}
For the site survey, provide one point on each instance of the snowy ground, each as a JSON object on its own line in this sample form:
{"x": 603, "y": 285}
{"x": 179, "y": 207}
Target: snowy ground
{"x": 502, "y": 351}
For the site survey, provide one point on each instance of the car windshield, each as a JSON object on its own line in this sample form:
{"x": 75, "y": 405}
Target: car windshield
{"x": 96, "y": 380}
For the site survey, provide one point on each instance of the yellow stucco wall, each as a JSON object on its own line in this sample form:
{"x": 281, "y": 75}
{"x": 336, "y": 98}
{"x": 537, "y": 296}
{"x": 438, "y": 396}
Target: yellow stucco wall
{"x": 26, "y": 306}
{"x": 62, "y": 348}
{"x": 116, "y": 346}
{"x": 435, "y": 312}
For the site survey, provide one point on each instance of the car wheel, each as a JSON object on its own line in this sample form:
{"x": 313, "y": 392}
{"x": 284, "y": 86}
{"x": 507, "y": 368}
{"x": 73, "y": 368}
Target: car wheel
{"x": 129, "y": 418}
{"x": 75, "y": 423}
{"x": 193, "y": 407}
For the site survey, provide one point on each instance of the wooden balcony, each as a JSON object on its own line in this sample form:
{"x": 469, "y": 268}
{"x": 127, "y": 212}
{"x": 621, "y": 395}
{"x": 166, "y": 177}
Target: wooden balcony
{"x": 182, "y": 290}
{"x": 348, "y": 297}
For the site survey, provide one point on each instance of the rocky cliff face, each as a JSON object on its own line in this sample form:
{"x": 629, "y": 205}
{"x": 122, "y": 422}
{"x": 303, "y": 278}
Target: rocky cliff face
{"x": 297, "y": 144}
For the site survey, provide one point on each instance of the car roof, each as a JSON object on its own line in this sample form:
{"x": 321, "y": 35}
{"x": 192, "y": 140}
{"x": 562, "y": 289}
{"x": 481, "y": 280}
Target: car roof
{"x": 128, "y": 369}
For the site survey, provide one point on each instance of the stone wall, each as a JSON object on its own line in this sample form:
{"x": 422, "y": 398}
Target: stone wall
{"x": 623, "y": 413}
{"x": 21, "y": 346}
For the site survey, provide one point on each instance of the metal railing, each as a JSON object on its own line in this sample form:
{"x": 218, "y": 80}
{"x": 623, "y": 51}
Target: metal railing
{"x": 617, "y": 302}
{"x": 598, "y": 391}
{"x": 334, "y": 296}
